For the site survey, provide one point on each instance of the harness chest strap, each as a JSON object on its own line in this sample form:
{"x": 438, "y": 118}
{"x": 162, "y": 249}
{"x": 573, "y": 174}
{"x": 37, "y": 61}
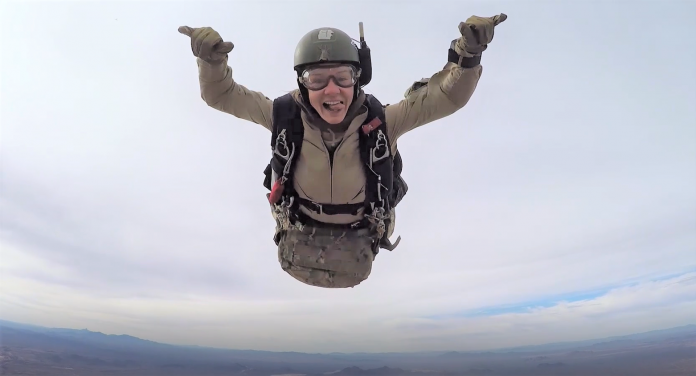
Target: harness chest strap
{"x": 332, "y": 209}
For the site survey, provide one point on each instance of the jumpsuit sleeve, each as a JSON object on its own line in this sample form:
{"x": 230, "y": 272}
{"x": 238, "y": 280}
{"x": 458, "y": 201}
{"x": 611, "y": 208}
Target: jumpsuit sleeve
{"x": 432, "y": 98}
{"x": 220, "y": 91}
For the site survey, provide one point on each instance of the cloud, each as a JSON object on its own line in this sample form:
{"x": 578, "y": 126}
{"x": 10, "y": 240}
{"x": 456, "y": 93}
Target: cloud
{"x": 656, "y": 304}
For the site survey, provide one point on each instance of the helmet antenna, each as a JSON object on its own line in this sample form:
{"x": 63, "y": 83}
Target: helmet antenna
{"x": 362, "y": 35}
{"x": 365, "y": 59}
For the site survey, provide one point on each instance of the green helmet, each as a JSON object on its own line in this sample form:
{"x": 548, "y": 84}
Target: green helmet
{"x": 325, "y": 45}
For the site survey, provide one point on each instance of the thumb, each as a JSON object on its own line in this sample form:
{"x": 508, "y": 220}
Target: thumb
{"x": 499, "y": 19}
{"x": 186, "y": 30}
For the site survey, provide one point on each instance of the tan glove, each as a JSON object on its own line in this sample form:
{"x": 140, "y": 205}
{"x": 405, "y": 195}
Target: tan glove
{"x": 207, "y": 44}
{"x": 477, "y": 33}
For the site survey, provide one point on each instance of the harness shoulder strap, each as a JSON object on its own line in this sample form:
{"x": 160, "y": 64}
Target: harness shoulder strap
{"x": 385, "y": 186}
{"x": 375, "y": 151}
{"x": 286, "y": 145}
{"x": 396, "y": 185}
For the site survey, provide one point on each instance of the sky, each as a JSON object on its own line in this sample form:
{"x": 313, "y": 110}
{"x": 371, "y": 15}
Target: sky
{"x": 559, "y": 204}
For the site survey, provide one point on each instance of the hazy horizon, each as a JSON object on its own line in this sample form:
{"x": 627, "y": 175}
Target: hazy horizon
{"x": 130, "y": 207}
{"x": 21, "y": 325}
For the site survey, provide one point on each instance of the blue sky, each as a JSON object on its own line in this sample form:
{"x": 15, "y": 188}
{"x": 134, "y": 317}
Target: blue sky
{"x": 559, "y": 204}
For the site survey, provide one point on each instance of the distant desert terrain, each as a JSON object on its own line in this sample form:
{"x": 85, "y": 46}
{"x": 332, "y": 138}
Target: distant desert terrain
{"x": 31, "y": 350}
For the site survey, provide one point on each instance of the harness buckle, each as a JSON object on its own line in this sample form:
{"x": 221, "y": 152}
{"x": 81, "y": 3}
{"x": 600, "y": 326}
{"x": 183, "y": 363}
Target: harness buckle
{"x": 282, "y": 141}
{"x": 381, "y": 142}
{"x": 282, "y": 213}
{"x": 377, "y": 218}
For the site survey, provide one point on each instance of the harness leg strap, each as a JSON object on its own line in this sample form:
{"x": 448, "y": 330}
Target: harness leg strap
{"x": 387, "y": 244}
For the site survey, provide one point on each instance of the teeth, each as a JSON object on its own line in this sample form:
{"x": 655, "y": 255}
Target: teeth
{"x": 332, "y": 103}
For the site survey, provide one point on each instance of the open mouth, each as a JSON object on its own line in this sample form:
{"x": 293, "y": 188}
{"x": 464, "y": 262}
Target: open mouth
{"x": 333, "y": 105}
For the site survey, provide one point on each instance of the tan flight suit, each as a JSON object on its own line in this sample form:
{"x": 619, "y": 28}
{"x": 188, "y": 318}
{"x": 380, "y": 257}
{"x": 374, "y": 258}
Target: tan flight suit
{"x": 330, "y": 258}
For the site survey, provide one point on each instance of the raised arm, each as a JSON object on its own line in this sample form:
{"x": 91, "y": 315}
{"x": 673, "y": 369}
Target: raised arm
{"x": 218, "y": 88}
{"x": 450, "y": 89}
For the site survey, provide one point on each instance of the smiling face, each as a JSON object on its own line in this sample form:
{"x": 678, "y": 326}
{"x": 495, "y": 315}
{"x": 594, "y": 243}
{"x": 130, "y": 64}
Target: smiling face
{"x": 331, "y": 89}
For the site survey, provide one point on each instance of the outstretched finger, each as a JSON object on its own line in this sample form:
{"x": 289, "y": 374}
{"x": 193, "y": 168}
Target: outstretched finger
{"x": 186, "y": 30}
{"x": 499, "y": 19}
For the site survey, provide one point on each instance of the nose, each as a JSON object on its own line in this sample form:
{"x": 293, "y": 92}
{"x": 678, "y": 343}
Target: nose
{"x": 332, "y": 88}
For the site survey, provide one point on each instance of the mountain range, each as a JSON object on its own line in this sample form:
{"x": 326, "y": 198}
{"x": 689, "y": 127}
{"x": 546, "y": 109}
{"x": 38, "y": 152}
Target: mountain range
{"x": 36, "y": 350}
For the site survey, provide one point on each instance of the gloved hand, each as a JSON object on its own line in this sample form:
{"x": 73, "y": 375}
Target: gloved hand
{"x": 207, "y": 44}
{"x": 477, "y": 33}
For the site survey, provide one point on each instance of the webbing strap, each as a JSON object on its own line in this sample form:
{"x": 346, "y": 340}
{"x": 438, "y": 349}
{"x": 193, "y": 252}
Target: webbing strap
{"x": 331, "y": 209}
{"x": 464, "y": 62}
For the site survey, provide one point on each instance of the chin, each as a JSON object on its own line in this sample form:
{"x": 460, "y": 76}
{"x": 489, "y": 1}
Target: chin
{"x": 332, "y": 117}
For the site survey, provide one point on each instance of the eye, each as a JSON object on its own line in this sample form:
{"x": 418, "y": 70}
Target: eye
{"x": 316, "y": 78}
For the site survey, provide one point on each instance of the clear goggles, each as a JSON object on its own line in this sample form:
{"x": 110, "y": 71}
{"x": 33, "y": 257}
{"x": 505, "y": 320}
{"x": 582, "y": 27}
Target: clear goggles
{"x": 317, "y": 78}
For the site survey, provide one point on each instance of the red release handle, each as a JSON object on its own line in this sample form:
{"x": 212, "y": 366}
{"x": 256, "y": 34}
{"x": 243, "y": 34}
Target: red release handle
{"x": 369, "y": 127}
{"x": 276, "y": 192}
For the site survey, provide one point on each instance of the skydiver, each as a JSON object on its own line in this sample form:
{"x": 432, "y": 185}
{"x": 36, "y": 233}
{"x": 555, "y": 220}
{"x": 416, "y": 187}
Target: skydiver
{"x": 334, "y": 176}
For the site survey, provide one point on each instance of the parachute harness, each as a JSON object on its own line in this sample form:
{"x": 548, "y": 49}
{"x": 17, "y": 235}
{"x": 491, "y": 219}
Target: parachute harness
{"x": 384, "y": 186}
